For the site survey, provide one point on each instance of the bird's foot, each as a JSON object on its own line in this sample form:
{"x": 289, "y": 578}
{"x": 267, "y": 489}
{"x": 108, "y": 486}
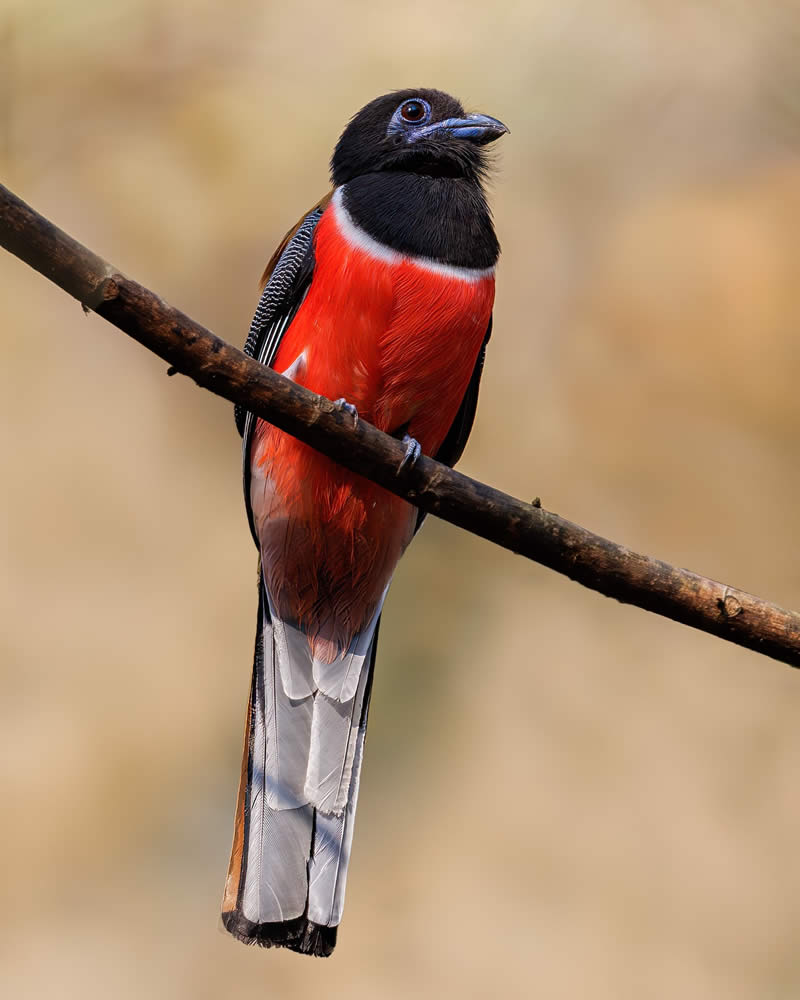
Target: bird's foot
{"x": 413, "y": 451}
{"x": 342, "y": 404}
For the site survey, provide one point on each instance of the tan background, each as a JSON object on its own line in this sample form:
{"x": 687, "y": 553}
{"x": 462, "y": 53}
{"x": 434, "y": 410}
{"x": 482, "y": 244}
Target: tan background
{"x": 563, "y": 797}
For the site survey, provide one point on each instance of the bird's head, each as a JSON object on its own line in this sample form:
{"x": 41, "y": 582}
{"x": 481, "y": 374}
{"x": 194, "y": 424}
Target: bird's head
{"x": 417, "y": 131}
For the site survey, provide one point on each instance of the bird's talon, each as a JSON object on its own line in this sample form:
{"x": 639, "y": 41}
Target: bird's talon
{"x": 342, "y": 404}
{"x": 413, "y": 451}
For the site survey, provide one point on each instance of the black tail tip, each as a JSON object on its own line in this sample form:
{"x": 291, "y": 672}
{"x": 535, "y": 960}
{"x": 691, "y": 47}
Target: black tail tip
{"x": 301, "y": 934}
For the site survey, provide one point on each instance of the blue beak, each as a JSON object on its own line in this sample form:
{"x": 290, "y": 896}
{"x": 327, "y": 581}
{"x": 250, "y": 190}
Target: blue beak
{"x": 479, "y": 129}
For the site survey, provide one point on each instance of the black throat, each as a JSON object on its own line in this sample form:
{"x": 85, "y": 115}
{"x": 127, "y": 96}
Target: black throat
{"x": 444, "y": 218}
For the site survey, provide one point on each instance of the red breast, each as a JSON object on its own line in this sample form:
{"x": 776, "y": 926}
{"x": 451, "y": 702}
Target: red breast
{"x": 397, "y": 337}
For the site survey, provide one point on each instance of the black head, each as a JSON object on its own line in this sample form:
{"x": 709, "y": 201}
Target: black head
{"x": 417, "y": 131}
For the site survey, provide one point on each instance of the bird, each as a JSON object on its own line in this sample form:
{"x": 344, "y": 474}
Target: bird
{"x": 381, "y": 299}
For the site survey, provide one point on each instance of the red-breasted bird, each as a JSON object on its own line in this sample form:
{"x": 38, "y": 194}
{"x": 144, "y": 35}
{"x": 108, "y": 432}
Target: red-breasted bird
{"x": 380, "y": 298}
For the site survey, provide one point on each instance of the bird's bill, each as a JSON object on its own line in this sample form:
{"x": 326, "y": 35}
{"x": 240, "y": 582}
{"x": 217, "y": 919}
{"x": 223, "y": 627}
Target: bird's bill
{"x": 480, "y": 129}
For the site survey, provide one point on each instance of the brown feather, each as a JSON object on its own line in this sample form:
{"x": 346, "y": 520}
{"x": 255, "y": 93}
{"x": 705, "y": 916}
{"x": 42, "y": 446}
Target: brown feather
{"x": 273, "y": 261}
{"x": 230, "y": 900}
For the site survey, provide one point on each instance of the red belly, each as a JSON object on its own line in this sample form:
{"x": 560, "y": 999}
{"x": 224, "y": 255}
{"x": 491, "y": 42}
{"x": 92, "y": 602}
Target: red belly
{"x": 399, "y": 342}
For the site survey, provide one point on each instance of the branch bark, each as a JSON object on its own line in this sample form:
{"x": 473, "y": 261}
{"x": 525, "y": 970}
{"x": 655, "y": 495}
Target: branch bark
{"x": 524, "y": 528}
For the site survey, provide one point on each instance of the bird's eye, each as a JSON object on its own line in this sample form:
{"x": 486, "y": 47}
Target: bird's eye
{"x": 413, "y": 111}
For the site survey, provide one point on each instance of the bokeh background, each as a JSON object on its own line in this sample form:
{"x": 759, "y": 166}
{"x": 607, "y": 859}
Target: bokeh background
{"x": 563, "y": 797}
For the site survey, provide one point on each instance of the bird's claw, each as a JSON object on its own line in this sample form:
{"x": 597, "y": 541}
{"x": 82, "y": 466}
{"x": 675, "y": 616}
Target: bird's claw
{"x": 342, "y": 404}
{"x": 413, "y": 451}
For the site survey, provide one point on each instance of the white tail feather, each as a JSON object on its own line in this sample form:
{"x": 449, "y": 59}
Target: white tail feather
{"x": 288, "y": 727}
{"x": 279, "y": 840}
{"x": 334, "y": 728}
{"x": 294, "y": 657}
{"x": 339, "y": 679}
{"x": 303, "y": 772}
{"x": 333, "y": 839}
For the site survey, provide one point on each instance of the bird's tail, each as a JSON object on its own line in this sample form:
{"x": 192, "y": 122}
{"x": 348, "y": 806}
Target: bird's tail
{"x": 303, "y": 746}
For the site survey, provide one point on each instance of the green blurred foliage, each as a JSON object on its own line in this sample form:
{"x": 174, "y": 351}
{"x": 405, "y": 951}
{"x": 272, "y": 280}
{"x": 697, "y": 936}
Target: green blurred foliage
{"x": 563, "y": 797}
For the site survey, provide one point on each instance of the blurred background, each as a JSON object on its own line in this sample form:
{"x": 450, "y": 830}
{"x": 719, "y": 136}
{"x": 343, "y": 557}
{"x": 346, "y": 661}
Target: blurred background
{"x": 563, "y": 797}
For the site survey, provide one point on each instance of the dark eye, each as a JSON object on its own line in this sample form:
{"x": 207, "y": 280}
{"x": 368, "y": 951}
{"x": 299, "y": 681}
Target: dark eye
{"x": 413, "y": 111}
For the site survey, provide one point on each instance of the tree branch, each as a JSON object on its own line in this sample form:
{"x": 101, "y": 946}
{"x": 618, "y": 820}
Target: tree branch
{"x": 527, "y": 529}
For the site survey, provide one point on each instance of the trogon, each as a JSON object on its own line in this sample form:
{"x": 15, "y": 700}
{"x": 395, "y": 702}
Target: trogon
{"x": 379, "y": 298}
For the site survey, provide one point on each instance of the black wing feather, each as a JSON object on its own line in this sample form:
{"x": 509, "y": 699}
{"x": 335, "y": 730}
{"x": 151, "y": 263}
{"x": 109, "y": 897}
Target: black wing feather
{"x": 452, "y": 448}
{"x": 280, "y": 300}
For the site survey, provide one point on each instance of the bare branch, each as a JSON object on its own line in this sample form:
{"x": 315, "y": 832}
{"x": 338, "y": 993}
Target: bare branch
{"x": 527, "y": 529}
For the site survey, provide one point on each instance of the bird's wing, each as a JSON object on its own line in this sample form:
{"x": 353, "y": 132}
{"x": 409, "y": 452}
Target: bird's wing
{"x": 452, "y": 448}
{"x": 284, "y": 285}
